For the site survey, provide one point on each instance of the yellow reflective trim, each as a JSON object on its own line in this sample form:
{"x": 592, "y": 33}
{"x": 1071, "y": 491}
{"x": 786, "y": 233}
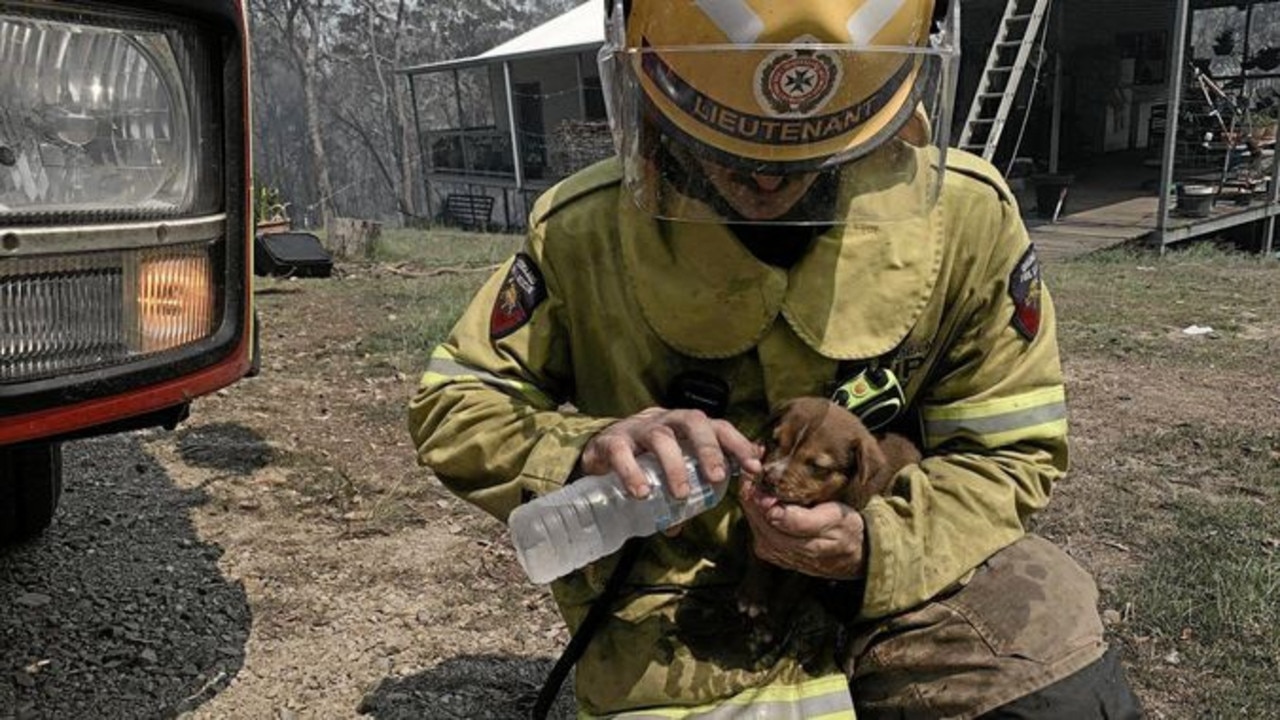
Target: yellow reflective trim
{"x": 431, "y": 379}
{"x": 445, "y": 368}
{"x": 824, "y": 698}
{"x": 1039, "y": 414}
{"x": 994, "y": 440}
{"x": 998, "y": 406}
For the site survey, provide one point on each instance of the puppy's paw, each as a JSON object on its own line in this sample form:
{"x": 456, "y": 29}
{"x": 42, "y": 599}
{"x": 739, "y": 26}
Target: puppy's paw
{"x": 752, "y": 607}
{"x": 761, "y": 639}
{"x": 753, "y": 593}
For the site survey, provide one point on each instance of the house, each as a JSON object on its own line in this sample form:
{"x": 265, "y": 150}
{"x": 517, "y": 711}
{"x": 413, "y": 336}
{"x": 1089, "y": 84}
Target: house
{"x": 1086, "y": 135}
{"x": 524, "y": 115}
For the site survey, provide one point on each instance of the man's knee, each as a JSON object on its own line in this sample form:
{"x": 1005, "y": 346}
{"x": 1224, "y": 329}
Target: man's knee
{"x": 1099, "y": 691}
{"x": 1027, "y": 620}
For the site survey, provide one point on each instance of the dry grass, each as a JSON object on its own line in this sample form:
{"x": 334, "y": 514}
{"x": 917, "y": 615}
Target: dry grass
{"x": 1173, "y": 497}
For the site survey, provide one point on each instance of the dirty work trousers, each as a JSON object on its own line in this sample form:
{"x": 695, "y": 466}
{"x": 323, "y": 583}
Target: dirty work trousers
{"x": 1021, "y": 640}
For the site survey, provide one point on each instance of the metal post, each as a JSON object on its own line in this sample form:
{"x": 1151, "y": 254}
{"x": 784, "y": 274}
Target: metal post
{"x": 1273, "y": 198}
{"x": 1178, "y": 43}
{"x": 457, "y": 97}
{"x": 1055, "y": 129}
{"x": 1270, "y": 226}
{"x": 511, "y": 118}
{"x": 423, "y": 160}
{"x": 462, "y": 127}
{"x": 582, "y": 89}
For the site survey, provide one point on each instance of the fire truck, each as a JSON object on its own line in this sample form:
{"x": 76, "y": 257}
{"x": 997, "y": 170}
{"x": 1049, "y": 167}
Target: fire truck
{"x": 125, "y": 227}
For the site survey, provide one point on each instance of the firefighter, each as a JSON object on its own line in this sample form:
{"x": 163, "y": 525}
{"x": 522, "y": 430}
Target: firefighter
{"x": 783, "y": 218}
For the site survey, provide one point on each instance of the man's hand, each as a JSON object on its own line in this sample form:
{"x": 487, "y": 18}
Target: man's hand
{"x": 668, "y": 434}
{"x": 823, "y": 541}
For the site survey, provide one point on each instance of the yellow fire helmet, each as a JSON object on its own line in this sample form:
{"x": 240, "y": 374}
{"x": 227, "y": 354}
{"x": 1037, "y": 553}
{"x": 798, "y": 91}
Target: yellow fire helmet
{"x": 791, "y": 92}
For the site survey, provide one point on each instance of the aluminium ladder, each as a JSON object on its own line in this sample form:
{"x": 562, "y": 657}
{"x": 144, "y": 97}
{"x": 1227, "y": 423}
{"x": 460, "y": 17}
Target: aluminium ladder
{"x": 989, "y": 111}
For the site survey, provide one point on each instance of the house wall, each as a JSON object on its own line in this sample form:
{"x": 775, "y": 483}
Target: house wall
{"x": 1107, "y": 98}
{"x": 1116, "y": 78}
{"x": 561, "y": 81}
{"x": 558, "y": 79}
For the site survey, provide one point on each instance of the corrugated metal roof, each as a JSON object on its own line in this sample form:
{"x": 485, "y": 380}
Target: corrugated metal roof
{"x": 582, "y": 28}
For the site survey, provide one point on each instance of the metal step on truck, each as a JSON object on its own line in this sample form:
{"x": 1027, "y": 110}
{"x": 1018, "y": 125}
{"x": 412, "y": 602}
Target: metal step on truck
{"x": 125, "y": 227}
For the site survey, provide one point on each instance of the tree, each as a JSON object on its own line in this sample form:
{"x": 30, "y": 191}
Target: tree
{"x": 335, "y": 125}
{"x": 300, "y": 34}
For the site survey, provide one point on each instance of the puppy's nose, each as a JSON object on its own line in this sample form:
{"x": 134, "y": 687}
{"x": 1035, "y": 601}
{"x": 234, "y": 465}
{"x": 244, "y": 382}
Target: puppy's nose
{"x": 774, "y": 471}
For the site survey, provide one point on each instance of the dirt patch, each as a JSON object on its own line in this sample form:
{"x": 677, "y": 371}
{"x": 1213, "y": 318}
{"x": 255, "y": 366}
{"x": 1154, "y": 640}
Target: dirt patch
{"x": 355, "y": 585}
{"x": 373, "y": 590}
{"x": 376, "y": 591}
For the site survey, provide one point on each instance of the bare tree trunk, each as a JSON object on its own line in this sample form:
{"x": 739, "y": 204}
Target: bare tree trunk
{"x": 393, "y": 109}
{"x": 299, "y": 24}
{"x": 308, "y": 48}
{"x": 407, "y": 134}
{"x": 320, "y": 162}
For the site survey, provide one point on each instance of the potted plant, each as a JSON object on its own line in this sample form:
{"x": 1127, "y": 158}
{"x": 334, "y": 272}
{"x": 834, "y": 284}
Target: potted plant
{"x": 1196, "y": 200}
{"x": 1264, "y": 126}
{"x": 270, "y": 211}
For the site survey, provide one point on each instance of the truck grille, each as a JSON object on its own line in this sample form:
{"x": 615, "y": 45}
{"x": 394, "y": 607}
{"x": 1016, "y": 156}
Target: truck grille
{"x": 61, "y": 321}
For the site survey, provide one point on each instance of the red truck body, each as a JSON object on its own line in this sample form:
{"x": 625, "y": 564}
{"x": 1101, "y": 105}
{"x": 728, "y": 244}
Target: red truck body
{"x": 126, "y": 226}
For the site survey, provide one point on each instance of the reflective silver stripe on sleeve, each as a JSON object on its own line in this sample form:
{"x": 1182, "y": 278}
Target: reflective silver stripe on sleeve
{"x": 998, "y": 423}
{"x": 444, "y": 368}
{"x": 1038, "y": 414}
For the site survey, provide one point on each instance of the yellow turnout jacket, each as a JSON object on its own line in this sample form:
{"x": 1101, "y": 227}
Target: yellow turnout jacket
{"x": 605, "y": 305}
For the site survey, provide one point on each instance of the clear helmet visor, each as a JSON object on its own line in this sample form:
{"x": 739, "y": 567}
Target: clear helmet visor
{"x": 796, "y": 134}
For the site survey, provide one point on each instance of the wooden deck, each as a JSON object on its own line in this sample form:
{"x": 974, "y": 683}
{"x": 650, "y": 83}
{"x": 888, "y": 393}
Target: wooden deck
{"x": 1094, "y": 229}
{"x": 1132, "y": 221}
{"x": 1113, "y": 205}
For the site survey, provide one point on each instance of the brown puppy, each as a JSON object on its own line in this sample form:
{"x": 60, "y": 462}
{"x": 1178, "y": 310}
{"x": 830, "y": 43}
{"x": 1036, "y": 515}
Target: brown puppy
{"x": 816, "y": 452}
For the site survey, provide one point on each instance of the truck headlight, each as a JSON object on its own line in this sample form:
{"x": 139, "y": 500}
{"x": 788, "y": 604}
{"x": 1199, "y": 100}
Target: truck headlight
{"x": 97, "y": 121}
{"x": 70, "y": 312}
{"x": 117, "y": 248}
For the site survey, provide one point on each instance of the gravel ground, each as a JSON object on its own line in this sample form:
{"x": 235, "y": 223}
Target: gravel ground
{"x": 160, "y": 593}
{"x": 120, "y": 610}
{"x": 279, "y": 556}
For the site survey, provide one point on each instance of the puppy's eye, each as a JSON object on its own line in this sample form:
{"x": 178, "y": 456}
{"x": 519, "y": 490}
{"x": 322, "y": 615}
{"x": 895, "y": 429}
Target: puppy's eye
{"x": 820, "y": 464}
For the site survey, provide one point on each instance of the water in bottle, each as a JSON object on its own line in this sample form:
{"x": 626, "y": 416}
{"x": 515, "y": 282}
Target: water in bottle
{"x": 593, "y": 516}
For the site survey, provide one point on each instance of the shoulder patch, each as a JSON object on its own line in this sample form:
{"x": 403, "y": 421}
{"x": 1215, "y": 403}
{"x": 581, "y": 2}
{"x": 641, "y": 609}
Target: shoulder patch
{"x": 1025, "y": 288}
{"x": 521, "y": 293}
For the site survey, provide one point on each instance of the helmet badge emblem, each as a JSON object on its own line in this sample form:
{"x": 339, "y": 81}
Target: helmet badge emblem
{"x": 797, "y": 82}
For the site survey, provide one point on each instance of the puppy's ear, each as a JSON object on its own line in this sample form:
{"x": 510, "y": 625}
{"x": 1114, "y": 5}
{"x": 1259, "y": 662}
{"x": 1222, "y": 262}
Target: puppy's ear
{"x": 774, "y": 425}
{"x": 865, "y": 469}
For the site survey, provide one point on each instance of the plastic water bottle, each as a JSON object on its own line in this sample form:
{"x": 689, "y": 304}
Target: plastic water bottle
{"x": 593, "y": 516}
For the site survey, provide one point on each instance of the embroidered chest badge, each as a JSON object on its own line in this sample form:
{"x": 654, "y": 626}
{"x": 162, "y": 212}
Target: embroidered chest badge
{"x": 522, "y": 292}
{"x": 1025, "y": 287}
